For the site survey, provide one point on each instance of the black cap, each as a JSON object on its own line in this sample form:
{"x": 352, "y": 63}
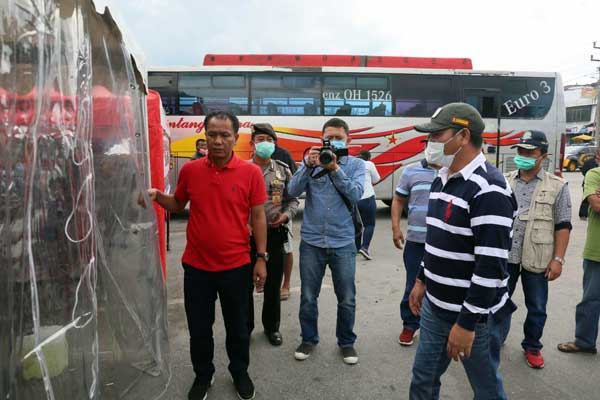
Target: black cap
{"x": 264, "y": 128}
{"x": 533, "y": 140}
{"x": 454, "y": 115}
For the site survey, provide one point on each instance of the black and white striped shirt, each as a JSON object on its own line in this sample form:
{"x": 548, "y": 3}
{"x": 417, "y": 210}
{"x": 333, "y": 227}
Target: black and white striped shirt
{"x": 469, "y": 230}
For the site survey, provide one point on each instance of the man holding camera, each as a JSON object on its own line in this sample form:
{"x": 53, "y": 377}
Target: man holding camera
{"x": 333, "y": 182}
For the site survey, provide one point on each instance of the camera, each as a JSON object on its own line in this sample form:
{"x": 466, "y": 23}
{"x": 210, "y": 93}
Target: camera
{"x": 327, "y": 151}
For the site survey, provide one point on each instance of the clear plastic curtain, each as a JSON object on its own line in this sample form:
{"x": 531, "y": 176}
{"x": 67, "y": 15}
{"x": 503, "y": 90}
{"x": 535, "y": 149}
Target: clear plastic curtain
{"x": 82, "y": 296}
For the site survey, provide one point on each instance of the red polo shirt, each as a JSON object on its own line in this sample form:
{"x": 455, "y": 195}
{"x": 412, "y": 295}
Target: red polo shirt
{"x": 220, "y": 202}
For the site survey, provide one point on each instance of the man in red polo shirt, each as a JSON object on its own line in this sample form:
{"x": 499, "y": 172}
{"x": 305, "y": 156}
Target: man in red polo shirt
{"x": 223, "y": 192}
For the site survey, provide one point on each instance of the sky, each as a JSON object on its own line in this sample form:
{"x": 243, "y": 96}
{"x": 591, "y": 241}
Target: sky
{"x": 517, "y": 35}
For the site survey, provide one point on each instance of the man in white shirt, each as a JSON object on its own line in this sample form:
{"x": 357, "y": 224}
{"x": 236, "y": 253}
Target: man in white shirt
{"x": 367, "y": 205}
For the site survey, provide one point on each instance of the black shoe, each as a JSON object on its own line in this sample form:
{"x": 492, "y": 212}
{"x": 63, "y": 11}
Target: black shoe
{"x": 199, "y": 390}
{"x": 303, "y": 351}
{"x": 244, "y": 386}
{"x": 274, "y": 338}
{"x": 365, "y": 253}
{"x": 350, "y": 355}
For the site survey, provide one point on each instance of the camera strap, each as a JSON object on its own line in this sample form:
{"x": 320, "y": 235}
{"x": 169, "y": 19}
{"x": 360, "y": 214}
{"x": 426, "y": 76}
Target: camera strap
{"x": 346, "y": 201}
{"x": 354, "y": 213}
{"x": 319, "y": 174}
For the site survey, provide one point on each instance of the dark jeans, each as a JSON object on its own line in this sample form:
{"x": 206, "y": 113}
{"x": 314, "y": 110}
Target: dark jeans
{"x": 368, "y": 213}
{"x": 587, "y": 312}
{"x": 413, "y": 255}
{"x": 431, "y": 360}
{"x": 271, "y": 312}
{"x": 200, "y": 290}
{"x": 535, "y": 289}
{"x": 342, "y": 262}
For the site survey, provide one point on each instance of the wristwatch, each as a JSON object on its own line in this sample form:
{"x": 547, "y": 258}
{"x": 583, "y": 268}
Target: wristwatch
{"x": 264, "y": 256}
{"x": 560, "y": 260}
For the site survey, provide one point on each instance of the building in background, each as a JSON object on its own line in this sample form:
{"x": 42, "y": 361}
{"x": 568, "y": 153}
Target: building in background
{"x": 581, "y": 105}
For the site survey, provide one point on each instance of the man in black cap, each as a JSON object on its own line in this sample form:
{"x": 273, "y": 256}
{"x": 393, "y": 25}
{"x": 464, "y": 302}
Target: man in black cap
{"x": 540, "y": 237}
{"x": 279, "y": 209}
{"x": 281, "y": 154}
{"x": 462, "y": 279}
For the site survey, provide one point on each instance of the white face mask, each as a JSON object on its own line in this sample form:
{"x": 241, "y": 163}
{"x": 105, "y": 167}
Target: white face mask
{"x": 434, "y": 153}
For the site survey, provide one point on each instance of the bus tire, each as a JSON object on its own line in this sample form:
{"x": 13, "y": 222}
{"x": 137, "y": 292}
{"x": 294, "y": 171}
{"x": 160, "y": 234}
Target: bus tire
{"x": 387, "y": 202}
{"x": 572, "y": 167}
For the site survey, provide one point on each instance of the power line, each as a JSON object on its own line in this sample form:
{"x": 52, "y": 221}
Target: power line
{"x": 576, "y": 77}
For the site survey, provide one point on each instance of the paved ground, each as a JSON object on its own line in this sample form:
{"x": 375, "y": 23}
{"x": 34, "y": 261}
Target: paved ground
{"x": 384, "y": 368}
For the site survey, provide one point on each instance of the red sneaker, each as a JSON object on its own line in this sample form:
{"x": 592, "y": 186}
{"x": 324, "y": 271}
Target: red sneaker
{"x": 407, "y": 337}
{"x": 534, "y": 359}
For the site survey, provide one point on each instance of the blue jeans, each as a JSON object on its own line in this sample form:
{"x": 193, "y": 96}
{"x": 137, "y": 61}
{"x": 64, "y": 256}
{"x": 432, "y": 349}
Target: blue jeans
{"x": 342, "y": 262}
{"x": 368, "y": 213}
{"x": 413, "y": 255}
{"x": 587, "y": 312}
{"x": 431, "y": 360}
{"x": 535, "y": 289}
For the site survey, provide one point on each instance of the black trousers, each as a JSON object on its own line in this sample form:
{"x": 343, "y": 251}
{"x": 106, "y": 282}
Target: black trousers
{"x": 200, "y": 291}
{"x": 271, "y": 312}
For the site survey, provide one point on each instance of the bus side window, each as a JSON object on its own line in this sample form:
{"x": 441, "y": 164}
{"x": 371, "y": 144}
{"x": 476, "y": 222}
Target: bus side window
{"x": 200, "y": 94}
{"x": 486, "y": 104}
{"x": 165, "y": 83}
{"x": 521, "y": 97}
{"x": 421, "y": 95}
{"x": 360, "y": 95}
{"x": 285, "y": 95}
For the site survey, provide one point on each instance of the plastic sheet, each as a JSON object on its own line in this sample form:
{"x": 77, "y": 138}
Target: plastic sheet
{"x": 82, "y": 295}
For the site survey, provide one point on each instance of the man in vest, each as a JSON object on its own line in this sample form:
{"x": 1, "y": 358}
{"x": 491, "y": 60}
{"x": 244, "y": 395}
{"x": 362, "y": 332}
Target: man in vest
{"x": 279, "y": 209}
{"x": 540, "y": 237}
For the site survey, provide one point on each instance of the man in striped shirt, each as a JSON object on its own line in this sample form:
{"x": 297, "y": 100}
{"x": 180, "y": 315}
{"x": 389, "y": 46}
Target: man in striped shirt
{"x": 464, "y": 276}
{"x": 413, "y": 188}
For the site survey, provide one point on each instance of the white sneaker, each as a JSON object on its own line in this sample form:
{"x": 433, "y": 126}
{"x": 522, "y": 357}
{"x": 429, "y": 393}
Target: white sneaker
{"x": 303, "y": 351}
{"x": 350, "y": 355}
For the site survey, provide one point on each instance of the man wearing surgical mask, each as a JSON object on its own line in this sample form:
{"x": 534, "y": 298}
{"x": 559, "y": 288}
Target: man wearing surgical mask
{"x": 328, "y": 238}
{"x": 462, "y": 279}
{"x": 280, "y": 208}
{"x": 540, "y": 237}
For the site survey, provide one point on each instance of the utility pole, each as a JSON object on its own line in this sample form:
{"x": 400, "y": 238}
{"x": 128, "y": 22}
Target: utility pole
{"x": 596, "y": 59}
{"x": 597, "y": 119}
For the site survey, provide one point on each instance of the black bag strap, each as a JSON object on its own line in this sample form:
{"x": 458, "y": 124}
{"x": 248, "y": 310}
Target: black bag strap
{"x": 346, "y": 201}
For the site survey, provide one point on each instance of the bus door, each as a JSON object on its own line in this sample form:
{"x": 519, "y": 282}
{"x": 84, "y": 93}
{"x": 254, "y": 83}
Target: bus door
{"x": 488, "y": 102}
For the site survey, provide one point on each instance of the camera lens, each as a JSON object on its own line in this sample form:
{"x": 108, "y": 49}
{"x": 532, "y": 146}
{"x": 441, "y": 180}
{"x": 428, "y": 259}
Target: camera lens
{"x": 325, "y": 157}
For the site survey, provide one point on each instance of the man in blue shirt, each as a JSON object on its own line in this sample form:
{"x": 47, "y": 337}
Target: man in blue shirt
{"x": 412, "y": 191}
{"x": 328, "y": 238}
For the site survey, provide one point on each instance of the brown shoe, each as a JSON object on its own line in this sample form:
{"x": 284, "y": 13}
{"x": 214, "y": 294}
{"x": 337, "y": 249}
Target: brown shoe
{"x": 571, "y": 347}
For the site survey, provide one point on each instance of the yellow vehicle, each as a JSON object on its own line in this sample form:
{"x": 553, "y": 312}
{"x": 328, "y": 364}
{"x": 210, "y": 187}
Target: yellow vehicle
{"x": 576, "y": 155}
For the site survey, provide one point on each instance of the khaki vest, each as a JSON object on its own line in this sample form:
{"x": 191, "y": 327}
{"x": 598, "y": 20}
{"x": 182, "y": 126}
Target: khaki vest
{"x": 538, "y": 242}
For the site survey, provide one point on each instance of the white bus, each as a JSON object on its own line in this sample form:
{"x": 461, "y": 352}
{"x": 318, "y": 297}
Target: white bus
{"x": 381, "y": 105}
